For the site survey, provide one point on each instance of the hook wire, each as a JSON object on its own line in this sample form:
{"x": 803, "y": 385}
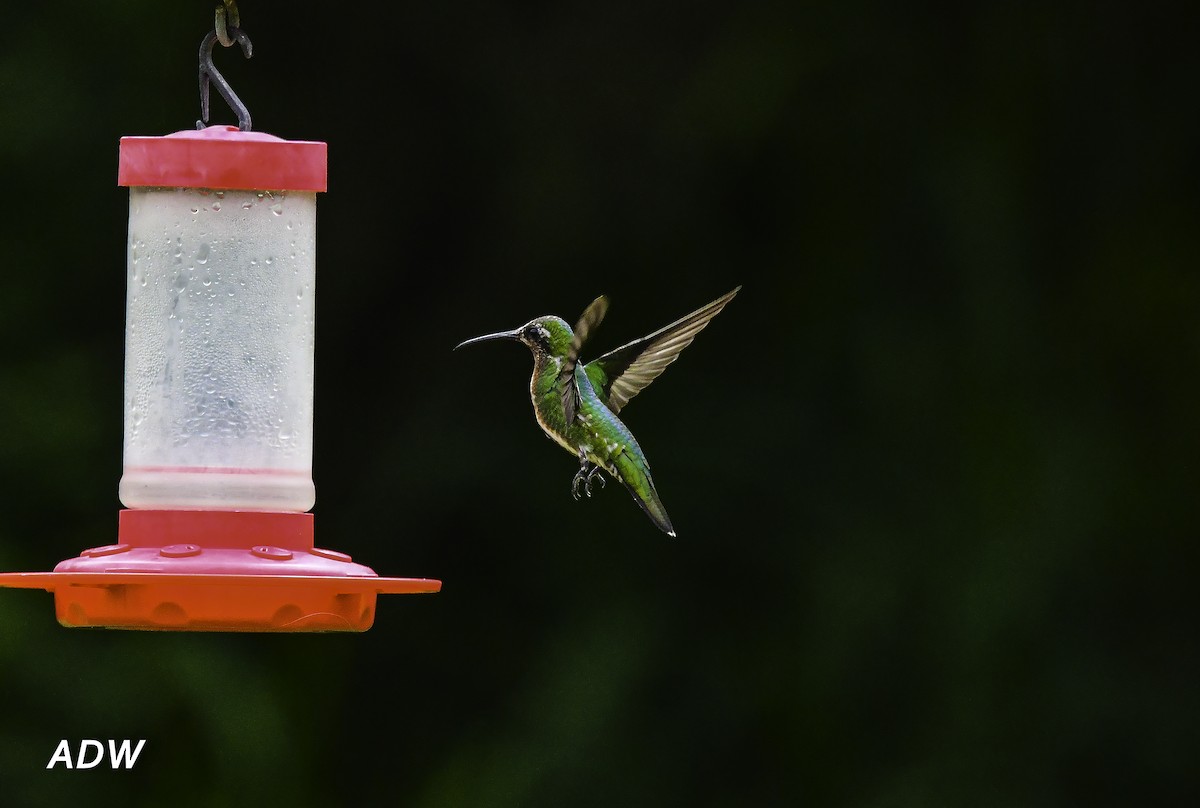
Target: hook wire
{"x": 210, "y": 76}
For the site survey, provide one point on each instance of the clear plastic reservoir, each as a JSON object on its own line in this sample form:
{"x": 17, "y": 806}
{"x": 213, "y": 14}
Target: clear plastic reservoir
{"x": 219, "y": 339}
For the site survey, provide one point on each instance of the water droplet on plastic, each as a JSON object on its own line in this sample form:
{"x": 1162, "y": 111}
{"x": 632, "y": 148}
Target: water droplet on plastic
{"x": 202, "y": 254}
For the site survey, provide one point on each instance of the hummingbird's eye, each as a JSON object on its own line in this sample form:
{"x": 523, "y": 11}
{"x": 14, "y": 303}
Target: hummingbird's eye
{"x": 536, "y": 334}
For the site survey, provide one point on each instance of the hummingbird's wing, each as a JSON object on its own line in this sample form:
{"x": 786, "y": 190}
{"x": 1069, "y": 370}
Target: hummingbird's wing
{"x": 588, "y": 321}
{"x": 622, "y": 373}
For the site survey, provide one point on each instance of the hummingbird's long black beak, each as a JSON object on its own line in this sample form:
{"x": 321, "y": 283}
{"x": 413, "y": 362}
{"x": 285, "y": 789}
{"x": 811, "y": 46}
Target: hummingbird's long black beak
{"x": 515, "y": 334}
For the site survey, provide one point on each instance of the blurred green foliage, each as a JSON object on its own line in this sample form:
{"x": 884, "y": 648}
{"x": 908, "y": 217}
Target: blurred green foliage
{"x": 930, "y": 470}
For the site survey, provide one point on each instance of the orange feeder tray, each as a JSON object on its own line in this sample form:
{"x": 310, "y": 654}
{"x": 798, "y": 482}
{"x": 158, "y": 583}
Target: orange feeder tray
{"x": 215, "y": 571}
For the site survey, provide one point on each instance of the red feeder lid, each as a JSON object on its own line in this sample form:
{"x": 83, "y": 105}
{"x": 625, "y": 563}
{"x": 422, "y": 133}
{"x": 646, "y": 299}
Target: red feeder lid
{"x": 223, "y": 157}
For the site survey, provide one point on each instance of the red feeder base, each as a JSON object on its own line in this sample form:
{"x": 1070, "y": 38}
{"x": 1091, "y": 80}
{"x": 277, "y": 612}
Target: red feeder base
{"x": 215, "y": 571}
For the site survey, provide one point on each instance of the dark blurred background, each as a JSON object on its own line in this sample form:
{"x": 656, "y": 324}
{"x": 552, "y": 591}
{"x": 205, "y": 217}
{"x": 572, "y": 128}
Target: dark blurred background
{"x": 933, "y": 471}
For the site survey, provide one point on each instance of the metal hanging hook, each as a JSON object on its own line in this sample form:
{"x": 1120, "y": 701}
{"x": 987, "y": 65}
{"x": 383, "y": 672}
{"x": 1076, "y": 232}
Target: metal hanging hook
{"x": 209, "y": 76}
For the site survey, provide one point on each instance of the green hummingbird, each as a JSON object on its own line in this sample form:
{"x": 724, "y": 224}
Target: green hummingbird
{"x": 576, "y": 404}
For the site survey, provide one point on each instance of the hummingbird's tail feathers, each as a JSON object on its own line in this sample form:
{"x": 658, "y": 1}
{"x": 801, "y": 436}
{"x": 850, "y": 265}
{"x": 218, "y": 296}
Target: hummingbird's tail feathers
{"x": 622, "y": 373}
{"x": 636, "y": 478}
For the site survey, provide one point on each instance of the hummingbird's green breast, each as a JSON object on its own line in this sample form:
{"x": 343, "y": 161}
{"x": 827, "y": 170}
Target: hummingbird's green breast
{"x": 595, "y": 433}
{"x": 547, "y": 401}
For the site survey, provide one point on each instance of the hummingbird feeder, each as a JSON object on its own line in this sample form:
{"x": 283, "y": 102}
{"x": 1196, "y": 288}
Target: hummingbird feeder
{"x": 216, "y": 533}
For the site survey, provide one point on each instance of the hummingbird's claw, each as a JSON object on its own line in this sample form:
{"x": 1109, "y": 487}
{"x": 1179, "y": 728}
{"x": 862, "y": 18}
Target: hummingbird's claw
{"x": 588, "y": 473}
{"x": 592, "y": 476}
{"x": 581, "y": 477}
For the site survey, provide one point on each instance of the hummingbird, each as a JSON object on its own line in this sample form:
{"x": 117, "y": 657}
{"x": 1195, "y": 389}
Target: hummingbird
{"x": 576, "y": 404}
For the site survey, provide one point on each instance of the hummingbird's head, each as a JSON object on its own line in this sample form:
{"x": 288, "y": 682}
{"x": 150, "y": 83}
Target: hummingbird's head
{"x": 545, "y": 336}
